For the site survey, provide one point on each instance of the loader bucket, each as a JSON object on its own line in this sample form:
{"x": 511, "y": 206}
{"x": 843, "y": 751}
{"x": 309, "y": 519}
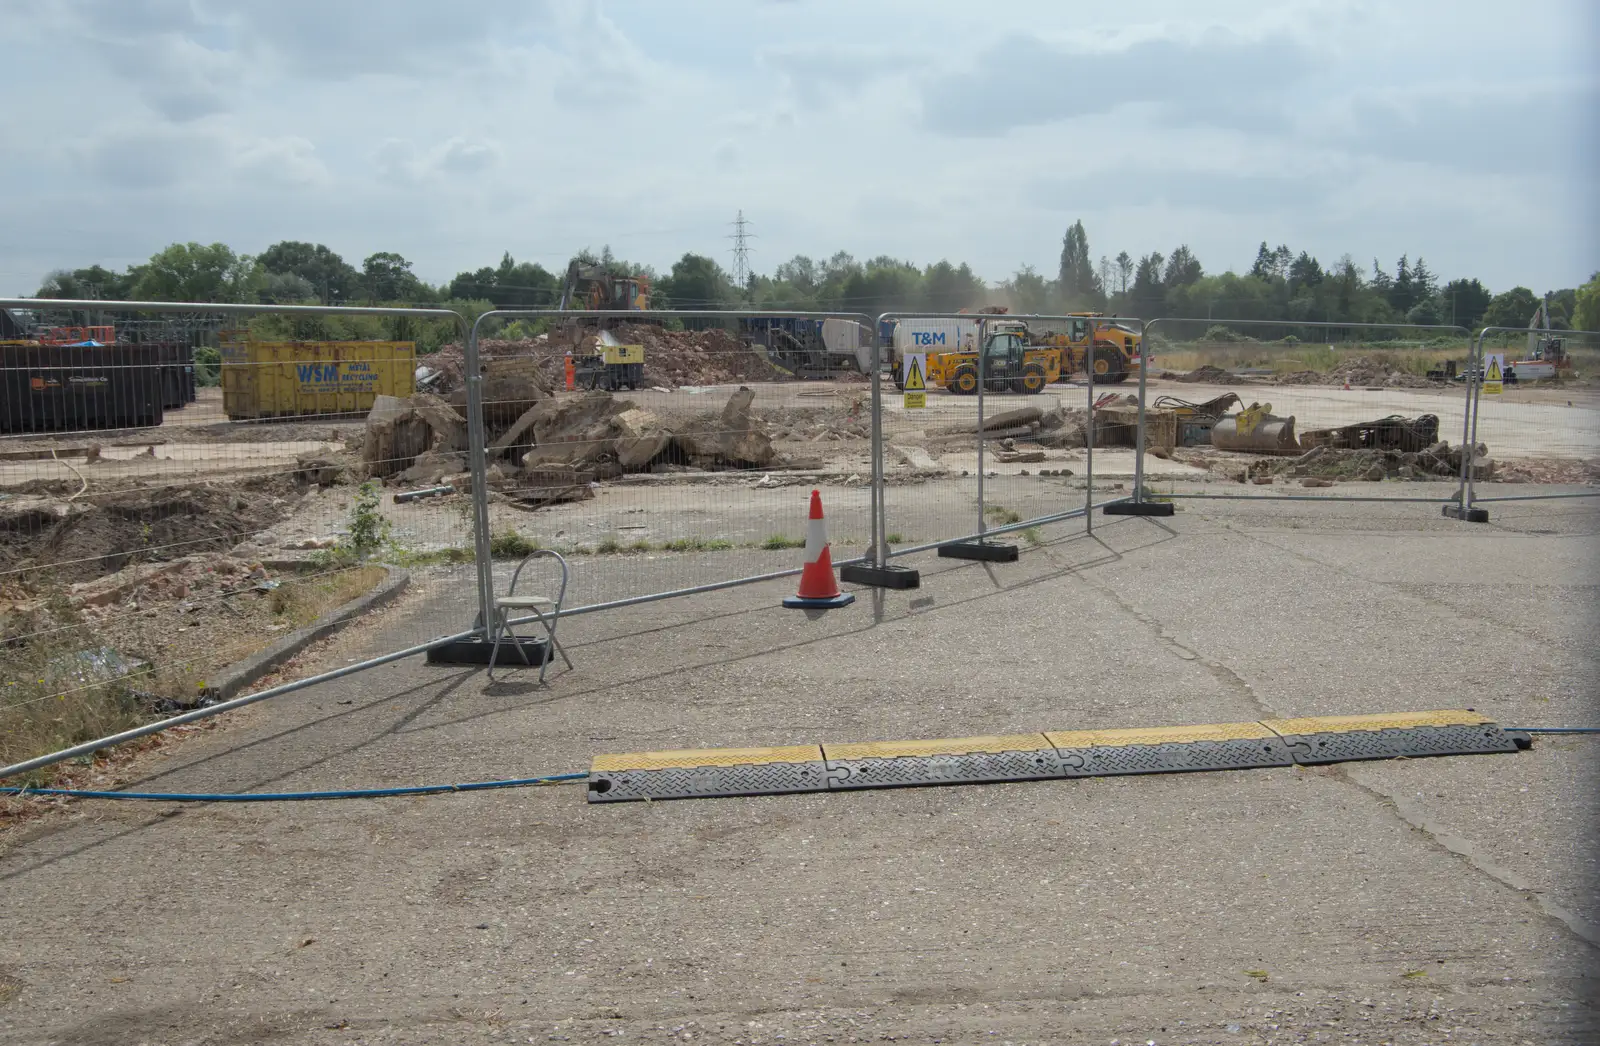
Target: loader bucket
{"x": 1256, "y": 430}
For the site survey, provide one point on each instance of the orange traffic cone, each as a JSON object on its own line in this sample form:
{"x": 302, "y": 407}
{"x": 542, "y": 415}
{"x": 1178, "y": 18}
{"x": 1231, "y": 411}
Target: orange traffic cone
{"x": 819, "y": 589}
{"x": 572, "y": 372}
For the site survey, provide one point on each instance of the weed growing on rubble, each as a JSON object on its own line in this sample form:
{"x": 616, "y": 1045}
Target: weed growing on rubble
{"x": 896, "y": 538}
{"x": 1033, "y": 536}
{"x": 1000, "y": 515}
{"x": 696, "y": 545}
{"x": 508, "y": 544}
{"x": 775, "y": 542}
{"x": 639, "y": 546}
{"x": 608, "y": 547}
{"x": 369, "y": 529}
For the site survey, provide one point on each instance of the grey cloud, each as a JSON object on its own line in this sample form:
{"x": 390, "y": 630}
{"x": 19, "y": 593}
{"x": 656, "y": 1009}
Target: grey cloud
{"x": 1219, "y": 191}
{"x": 151, "y": 158}
{"x": 1525, "y": 132}
{"x": 1220, "y": 79}
{"x": 336, "y": 40}
{"x": 463, "y": 157}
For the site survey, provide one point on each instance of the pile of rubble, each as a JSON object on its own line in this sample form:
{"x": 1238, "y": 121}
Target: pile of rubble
{"x": 1207, "y": 375}
{"x": 1437, "y": 461}
{"x": 1572, "y": 471}
{"x": 671, "y": 358}
{"x": 559, "y": 446}
{"x": 674, "y": 358}
{"x": 1358, "y": 372}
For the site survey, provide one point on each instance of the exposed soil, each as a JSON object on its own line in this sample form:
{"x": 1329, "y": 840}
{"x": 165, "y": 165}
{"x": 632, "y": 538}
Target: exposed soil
{"x": 76, "y": 541}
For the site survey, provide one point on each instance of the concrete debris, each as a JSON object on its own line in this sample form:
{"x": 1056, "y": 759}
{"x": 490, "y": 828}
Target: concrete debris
{"x": 1011, "y": 457}
{"x": 395, "y": 434}
{"x": 917, "y": 458}
{"x": 1207, "y": 374}
{"x": 318, "y": 471}
{"x": 1014, "y": 418}
{"x": 1359, "y": 372}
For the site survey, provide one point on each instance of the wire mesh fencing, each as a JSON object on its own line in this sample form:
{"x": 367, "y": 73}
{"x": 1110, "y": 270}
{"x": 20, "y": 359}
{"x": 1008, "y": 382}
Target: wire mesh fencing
{"x": 663, "y": 454}
{"x": 1535, "y": 416}
{"x": 183, "y": 487}
{"x": 1320, "y": 410}
{"x": 997, "y": 440}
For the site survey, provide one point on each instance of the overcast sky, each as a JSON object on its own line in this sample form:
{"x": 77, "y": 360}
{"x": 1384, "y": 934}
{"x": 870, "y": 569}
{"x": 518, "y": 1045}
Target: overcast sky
{"x": 1461, "y": 130}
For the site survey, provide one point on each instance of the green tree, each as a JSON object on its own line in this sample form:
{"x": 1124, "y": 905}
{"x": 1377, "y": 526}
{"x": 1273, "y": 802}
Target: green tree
{"x": 949, "y": 288}
{"x": 1463, "y": 303}
{"x": 1586, "y": 316}
{"x": 332, "y": 279}
{"x": 284, "y": 288}
{"x": 696, "y": 282}
{"x": 1076, "y": 279}
{"x": 94, "y": 282}
{"x": 1124, "y": 271}
{"x": 1029, "y": 292}
{"x": 511, "y": 285}
{"x": 1423, "y": 283}
{"x": 1402, "y": 293}
{"x": 387, "y": 276}
{"x": 1304, "y": 271}
{"x": 1513, "y": 308}
{"x": 1147, "y": 297}
{"x": 192, "y": 272}
{"x": 884, "y": 284}
{"x": 1183, "y": 268}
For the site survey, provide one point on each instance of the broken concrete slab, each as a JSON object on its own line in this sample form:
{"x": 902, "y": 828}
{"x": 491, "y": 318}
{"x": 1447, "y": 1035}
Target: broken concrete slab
{"x": 1014, "y": 418}
{"x": 917, "y": 458}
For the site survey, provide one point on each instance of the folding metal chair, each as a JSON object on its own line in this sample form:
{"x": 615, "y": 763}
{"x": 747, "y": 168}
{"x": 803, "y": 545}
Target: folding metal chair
{"x": 545, "y": 610}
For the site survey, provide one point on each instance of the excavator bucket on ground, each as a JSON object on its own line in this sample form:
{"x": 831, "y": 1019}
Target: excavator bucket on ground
{"x": 1256, "y": 430}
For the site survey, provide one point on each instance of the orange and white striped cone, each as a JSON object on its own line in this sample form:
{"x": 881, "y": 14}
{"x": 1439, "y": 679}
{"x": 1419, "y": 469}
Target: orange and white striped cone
{"x": 819, "y": 589}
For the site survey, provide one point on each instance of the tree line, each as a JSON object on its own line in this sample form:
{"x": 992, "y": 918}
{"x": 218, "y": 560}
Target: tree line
{"x": 1281, "y": 285}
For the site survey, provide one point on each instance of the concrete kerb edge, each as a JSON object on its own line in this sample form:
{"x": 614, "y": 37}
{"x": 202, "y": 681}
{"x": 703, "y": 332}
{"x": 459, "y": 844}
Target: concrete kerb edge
{"x": 233, "y": 679}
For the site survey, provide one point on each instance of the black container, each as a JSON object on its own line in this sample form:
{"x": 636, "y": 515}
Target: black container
{"x": 51, "y": 388}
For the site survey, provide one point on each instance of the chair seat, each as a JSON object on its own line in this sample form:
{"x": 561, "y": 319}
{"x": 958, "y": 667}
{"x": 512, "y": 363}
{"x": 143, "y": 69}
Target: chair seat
{"x": 524, "y": 601}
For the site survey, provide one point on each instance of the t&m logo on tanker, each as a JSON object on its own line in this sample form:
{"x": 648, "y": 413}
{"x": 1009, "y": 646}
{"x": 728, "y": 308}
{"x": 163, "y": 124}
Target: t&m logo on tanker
{"x": 927, "y": 337}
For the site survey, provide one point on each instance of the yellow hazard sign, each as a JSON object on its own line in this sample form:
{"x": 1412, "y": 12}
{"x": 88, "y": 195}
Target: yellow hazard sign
{"x": 1494, "y": 369}
{"x": 913, "y": 380}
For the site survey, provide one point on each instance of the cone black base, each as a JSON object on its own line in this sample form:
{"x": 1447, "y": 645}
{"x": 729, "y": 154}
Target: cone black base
{"x": 981, "y": 550}
{"x": 880, "y": 577}
{"x": 1139, "y": 508}
{"x": 843, "y": 599}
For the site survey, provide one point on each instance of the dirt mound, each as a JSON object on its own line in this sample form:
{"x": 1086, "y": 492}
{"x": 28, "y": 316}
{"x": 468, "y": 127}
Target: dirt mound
{"x": 86, "y": 539}
{"x": 1366, "y": 372}
{"x": 1207, "y": 375}
{"x": 1550, "y": 470}
{"x": 671, "y": 358}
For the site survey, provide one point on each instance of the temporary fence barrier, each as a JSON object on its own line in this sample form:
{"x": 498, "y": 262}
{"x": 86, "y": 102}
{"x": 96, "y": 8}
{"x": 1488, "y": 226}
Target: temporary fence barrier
{"x": 1363, "y": 438}
{"x": 610, "y": 476}
{"x": 177, "y": 495}
{"x": 1528, "y": 422}
{"x": 930, "y": 497}
{"x": 614, "y": 488}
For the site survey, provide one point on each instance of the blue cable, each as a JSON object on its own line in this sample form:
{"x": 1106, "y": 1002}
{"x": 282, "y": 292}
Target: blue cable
{"x": 285, "y": 797}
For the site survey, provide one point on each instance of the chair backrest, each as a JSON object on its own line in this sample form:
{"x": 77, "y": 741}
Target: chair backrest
{"x": 535, "y": 554}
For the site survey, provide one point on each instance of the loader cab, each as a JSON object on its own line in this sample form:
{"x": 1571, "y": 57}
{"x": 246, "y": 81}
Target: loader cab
{"x": 1003, "y": 352}
{"x": 1078, "y": 331}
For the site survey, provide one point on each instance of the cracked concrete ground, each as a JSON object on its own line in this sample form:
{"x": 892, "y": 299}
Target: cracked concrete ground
{"x": 1424, "y": 901}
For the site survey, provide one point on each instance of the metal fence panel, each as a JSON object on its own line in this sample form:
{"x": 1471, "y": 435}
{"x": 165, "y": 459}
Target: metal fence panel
{"x": 1362, "y": 412}
{"x": 987, "y": 452}
{"x": 184, "y": 486}
{"x": 687, "y": 463}
{"x": 1538, "y": 431}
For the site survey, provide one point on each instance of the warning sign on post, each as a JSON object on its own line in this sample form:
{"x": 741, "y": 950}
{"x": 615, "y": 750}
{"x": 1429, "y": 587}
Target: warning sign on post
{"x": 914, "y": 380}
{"x": 1494, "y": 372}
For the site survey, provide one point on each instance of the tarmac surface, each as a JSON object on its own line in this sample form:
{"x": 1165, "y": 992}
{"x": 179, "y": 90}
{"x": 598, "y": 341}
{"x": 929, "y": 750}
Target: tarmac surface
{"x": 1422, "y": 901}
